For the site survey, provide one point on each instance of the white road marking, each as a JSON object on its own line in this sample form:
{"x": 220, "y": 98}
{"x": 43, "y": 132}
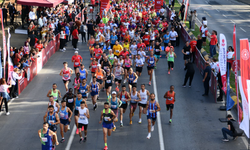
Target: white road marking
{"x": 232, "y": 21}
{"x": 161, "y": 141}
{"x": 217, "y": 10}
{"x": 224, "y": 15}
{"x": 73, "y": 131}
{"x": 243, "y": 29}
{"x": 207, "y": 14}
{"x": 206, "y": 2}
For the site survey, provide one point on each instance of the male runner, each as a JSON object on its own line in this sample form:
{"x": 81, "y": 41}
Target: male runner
{"x": 170, "y": 99}
{"x": 65, "y": 118}
{"x": 94, "y": 91}
{"x": 118, "y": 72}
{"x": 135, "y": 97}
{"x": 77, "y": 102}
{"x": 83, "y": 121}
{"x": 107, "y": 115}
{"x": 115, "y": 104}
{"x": 46, "y": 136}
{"x": 83, "y": 72}
{"x": 124, "y": 97}
{"x": 151, "y": 64}
{"x": 83, "y": 88}
{"x": 109, "y": 80}
{"x": 52, "y": 118}
{"x": 69, "y": 102}
{"x": 144, "y": 99}
{"x": 66, "y": 72}
{"x": 77, "y": 60}
{"x": 99, "y": 73}
{"x": 54, "y": 104}
{"x": 152, "y": 108}
{"x": 132, "y": 79}
{"x": 54, "y": 92}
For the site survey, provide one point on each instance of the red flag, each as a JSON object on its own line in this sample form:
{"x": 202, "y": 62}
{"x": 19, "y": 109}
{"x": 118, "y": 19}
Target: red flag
{"x": 4, "y": 43}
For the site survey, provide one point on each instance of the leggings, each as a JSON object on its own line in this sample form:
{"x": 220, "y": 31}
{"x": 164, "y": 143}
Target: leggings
{"x": 6, "y": 105}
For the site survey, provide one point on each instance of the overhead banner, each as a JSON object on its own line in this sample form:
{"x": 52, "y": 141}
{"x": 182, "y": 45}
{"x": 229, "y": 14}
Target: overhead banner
{"x": 105, "y": 4}
{"x": 223, "y": 61}
{"x": 4, "y": 43}
{"x": 158, "y": 4}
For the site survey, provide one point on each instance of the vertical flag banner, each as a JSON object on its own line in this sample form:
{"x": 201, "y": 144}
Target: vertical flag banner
{"x": 223, "y": 61}
{"x": 158, "y": 4}
{"x": 1, "y": 70}
{"x": 186, "y": 10}
{"x": 230, "y": 102}
{"x": 4, "y": 50}
{"x": 10, "y": 64}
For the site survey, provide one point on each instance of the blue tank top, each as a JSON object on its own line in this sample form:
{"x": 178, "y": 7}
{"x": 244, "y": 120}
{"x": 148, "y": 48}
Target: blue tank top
{"x": 78, "y": 103}
{"x": 150, "y": 108}
{"x": 131, "y": 78}
{"x": 82, "y": 74}
{"x": 151, "y": 61}
{"x": 82, "y": 90}
{"x": 46, "y": 141}
{"x": 114, "y": 104}
{"x": 63, "y": 113}
{"x": 94, "y": 87}
{"x": 51, "y": 119}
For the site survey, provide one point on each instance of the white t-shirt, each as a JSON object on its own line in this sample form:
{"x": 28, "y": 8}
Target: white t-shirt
{"x": 230, "y": 55}
{"x": 3, "y": 88}
{"x": 162, "y": 10}
{"x": 152, "y": 35}
{"x": 82, "y": 118}
{"x": 139, "y": 62}
{"x": 126, "y": 24}
{"x": 142, "y": 54}
{"x": 131, "y": 33}
{"x": 172, "y": 35}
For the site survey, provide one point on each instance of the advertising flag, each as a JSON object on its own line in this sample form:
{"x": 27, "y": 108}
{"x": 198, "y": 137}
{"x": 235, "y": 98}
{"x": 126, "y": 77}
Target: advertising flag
{"x": 4, "y": 50}
{"x": 230, "y": 102}
{"x": 10, "y": 64}
{"x": 223, "y": 61}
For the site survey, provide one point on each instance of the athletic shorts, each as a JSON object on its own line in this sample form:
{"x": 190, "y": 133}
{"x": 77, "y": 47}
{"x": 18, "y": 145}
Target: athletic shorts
{"x": 133, "y": 105}
{"x": 150, "y": 68}
{"x": 171, "y": 106}
{"x": 133, "y": 84}
{"x": 76, "y": 112}
{"x": 124, "y": 106}
{"x": 204, "y": 39}
{"x": 107, "y": 125}
{"x": 107, "y": 85}
{"x": 99, "y": 81}
{"x": 170, "y": 64}
{"x": 151, "y": 118}
{"x": 80, "y": 125}
{"x": 115, "y": 111}
{"x": 64, "y": 121}
{"x": 117, "y": 80}
{"x": 139, "y": 69}
{"x": 93, "y": 93}
{"x": 186, "y": 57}
{"x": 142, "y": 105}
{"x": 76, "y": 67}
{"x": 157, "y": 56}
{"x": 127, "y": 68}
{"x": 53, "y": 128}
{"x": 64, "y": 81}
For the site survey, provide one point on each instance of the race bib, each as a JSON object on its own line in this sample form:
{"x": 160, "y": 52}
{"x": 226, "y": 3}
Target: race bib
{"x": 170, "y": 99}
{"x": 66, "y": 75}
{"x": 82, "y": 117}
{"x": 108, "y": 81}
{"x": 157, "y": 50}
{"x": 93, "y": 89}
{"x": 105, "y": 67}
{"x": 99, "y": 76}
{"x": 106, "y": 118}
{"x": 93, "y": 66}
{"x": 55, "y": 97}
{"x": 70, "y": 100}
{"x": 131, "y": 79}
{"x": 143, "y": 98}
{"x": 151, "y": 62}
{"x": 187, "y": 53}
{"x": 51, "y": 121}
{"x": 62, "y": 115}
{"x": 76, "y": 63}
{"x": 113, "y": 106}
{"x": 82, "y": 91}
{"x": 117, "y": 51}
{"x": 151, "y": 110}
{"x": 44, "y": 139}
{"x": 78, "y": 107}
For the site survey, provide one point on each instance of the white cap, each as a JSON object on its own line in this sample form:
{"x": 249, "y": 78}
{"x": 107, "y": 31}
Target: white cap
{"x": 114, "y": 92}
{"x": 110, "y": 49}
{"x": 99, "y": 65}
{"x": 76, "y": 52}
{"x": 146, "y": 33}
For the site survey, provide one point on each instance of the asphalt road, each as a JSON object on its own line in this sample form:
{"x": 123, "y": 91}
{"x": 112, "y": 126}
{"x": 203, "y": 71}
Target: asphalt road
{"x": 222, "y": 15}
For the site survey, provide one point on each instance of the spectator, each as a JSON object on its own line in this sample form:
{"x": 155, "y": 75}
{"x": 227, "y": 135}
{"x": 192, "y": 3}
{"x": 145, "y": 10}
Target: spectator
{"x": 17, "y": 56}
{"x": 229, "y": 130}
{"x": 32, "y": 39}
{"x": 67, "y": 32}
{"x": 230, "y": 58}
{"x": 14, "y": 78}
{"x": 193, "y": 44}
{"x": 4, "y": 15}
{"x": 32, "y": 15}
{"x": 39, "y": 45}
{"x": 4, "y": 95}
{"x": 213, "y": 43}
{"x": 189, "y": 74}
{"x": 83, "y": 31}
{"x": 26, "y": 49}
{"x": 190, "y": 18}
{"x": 204, "y": 32}
{"x": 62, "y": 40}
{"x": 182, "y": 10}
{"x": 206, "y": 78}
{"x": 40, "y": 22}
{"x": 194, "y": 20}
{"x": 12, "y": 12}
{"x": 75, "y": 37}
{"x": 199, "y": 42}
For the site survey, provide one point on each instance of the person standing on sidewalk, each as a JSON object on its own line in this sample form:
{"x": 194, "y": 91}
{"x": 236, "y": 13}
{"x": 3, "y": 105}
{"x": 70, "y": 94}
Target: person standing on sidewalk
{"x": 4, "y": 95}
{"x": 189, "y": 74}
{"x": 62, "y": 40}
{"x": 206, "y": 78}
{"x": 75, "y": 37}
{"x": 213, "y": 43}
{"x": 182, "y": 10}
{"x": 4, "y": 15}
{"x": 194, "y": 20}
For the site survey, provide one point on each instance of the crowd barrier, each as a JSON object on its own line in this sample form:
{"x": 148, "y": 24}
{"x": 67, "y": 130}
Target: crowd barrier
{"x": 199, "y": 60}
{"x": 38, "y": 64}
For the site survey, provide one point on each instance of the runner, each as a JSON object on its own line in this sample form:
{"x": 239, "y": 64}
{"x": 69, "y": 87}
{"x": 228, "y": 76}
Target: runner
{"x": 54, "y": 104}
{"x": 151, "y": 108}
{"x": 186, "y": 52}
{"x": 124, "y": 97}
{"x": 77, "y": 102}
{"x": 143, "y": 103}
{"x": 170, "y": 56}
{"x": 115, "y": 104}
{"x": 66, "y": 72}
{"x": 111, "y": 58}
{"x": 52, "y": 118}
{"x": 99, "y": 73}
{"x": 93, "y": 66}
{"x": 105, "y": 63}
{"x": 65, "y": 118}
{"x": 135, "y": 98}
{"x": 94, "y": 91}
{"x": 127, "y": 64}
{"x": 170, "y": 100}
{"x": 109, "y": 80}
{"x": 133, "y": 50}
{"x": 83, "y": 121}
{"x": 157, "y": 52}
{"x": 107, "y": 115}
{"x": 77, "y": 60}
{"x": 151, "y": 63}
{"x": 47, "y": 137}
{"x": 146, "y": 39}
{"x": 139, "y": 63}
{"x": 117, "y": 48}
{"x": 83, "y": 72}
{"x": 54, "y": 92}
{"x": 118, "y": 72}
{"x": 83, "y": 88}
{"x": 69, "y": 102}
{"x": 132, "y": 79}
{"x": 77, "y": 80}
{"x": 142, "y": 54}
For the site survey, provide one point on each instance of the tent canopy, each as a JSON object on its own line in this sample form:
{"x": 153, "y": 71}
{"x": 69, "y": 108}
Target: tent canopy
{"x": 42, "y": 3}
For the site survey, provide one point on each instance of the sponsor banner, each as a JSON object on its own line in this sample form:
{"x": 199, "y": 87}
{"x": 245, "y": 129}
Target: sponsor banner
{"x": 104, "y": 5}
{"x": 213, "y": 87}
{"x": 223, "y": 61}
{"x": 39, "y": 62}
{"x": 4, "y": 50}
{"x": 158, "y": 4}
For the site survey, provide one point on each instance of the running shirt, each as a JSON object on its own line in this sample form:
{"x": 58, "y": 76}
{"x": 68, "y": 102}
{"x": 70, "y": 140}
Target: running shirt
{"x": 139, "y": 62}
{"x": 66, "y": 74}
{"x": 118, "y": 72}
{"x": 127, "y": 63}
{"x": 171, "y": 57}
{"x": 82, "y": 74}
{"x": 82, "y": 118}
{"x": 151, "y": 61}
{"x": 109, "y": 79}
{"x": 94, "y": 87}
{"x": 114, "y": 104}
{"x": 78, "y": 103}
{"x": 55, "y": 95}
{"x": 106, "y": 65}
{"x": 46, "y": 140}
{"x": 63, "y": 114}
{"x": 51, "y": 119}
{"x": 55, "y": 108}
{"x": 142, "y": 54}
{"x": 123, "y": 97}
{"x": 133, "y": 98}
{"x": 157, "y": 50}
{"x": 108, "y": 116}
{"x": 77, "y": 59}
{"x": 111, "y": 58}
{"x": 76, "y": 82}
{"x": 144, "y": 97}
{"x": 131, "y": 78}
{"x": 83, "y": 89}
{"x": 171, "y": 99}
{"x": 133, "y": 49}
{"x": 70, "y": 100}
{"x": 152, "y": 107}
{"x": 93, "y": 67}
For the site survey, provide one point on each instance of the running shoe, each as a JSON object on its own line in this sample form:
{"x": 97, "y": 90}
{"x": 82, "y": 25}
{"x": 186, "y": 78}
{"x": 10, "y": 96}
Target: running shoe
{"x": 168, "y": 72}
{"x": 155, "y": 67}
{"x": 121, "y": 124}
{"x": 149, "y": 83}
{"x": 125, "y": 80}
{"x": 183, "y": 85}
{"x": 225, "y": 140}
{"x": 189, "y": 86}
{"x": 85, "y": 139}
{"x": 170, "y": 120}
{"x": 61, "y": 50}
{"x": 63, "y": 140}
{"x": 68, "y": 127}
{"x": 139, "y": 121}
{"x": 64, "y": 49}
{"x": 152, "y": 128}
{"x": 149, "y": 136}
{"x": 77, "y": 131}
{"x": 105, "y": 148}
{"x": 8, "y": 113}
{"x": 234, "y": 138}
{"x": 94, "y": 107}
{"x": 53, "y": 147}
{"x": 130, "y": 122}
{"x": 80, "y": 141}
{"x": 117, "y": 89}
{"x": 114, "y": 128}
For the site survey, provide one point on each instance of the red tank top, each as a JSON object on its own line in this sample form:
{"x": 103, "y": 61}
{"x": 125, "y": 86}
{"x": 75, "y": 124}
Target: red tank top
{"x": 66, "y": 74}
{"x": 94, "y": 67}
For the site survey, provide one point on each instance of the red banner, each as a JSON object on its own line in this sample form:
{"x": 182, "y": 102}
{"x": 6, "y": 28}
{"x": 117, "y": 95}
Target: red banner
{"x": 158, "y": 4}
{"x": 37, "y": 65}
{"x": 104, "y": 5}
{"x": 4, "y": 43}
{"x": 244, "y": 65}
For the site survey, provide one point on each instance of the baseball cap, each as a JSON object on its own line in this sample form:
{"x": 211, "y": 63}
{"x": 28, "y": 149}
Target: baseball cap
{"x": 114, "y": 92}
{"x": 76, "y": 52}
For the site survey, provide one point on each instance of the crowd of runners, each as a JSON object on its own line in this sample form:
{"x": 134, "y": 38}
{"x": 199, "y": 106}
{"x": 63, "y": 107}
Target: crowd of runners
{"x": 130, "y": 36}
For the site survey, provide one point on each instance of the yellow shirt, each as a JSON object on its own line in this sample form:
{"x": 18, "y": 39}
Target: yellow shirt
{"x": 117, "y": 49}
{"x": 126, "y": 46}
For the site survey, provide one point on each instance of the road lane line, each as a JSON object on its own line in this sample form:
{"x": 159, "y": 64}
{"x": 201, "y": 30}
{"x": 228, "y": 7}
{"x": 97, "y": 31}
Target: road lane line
{"x": 232, "y": 21}
{"x": 224, "y": 15}
{"x": 73, "y": 131}
{"x": 161, "y": 141}
{"x": 207, "y": 14}
{"x": 243, "y": 29}
{"x": 217, "y": 10}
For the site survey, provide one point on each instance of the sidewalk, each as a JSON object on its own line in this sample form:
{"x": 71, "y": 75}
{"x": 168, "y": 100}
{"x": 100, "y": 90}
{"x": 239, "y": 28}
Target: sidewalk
{"x": 245, "y": 1}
